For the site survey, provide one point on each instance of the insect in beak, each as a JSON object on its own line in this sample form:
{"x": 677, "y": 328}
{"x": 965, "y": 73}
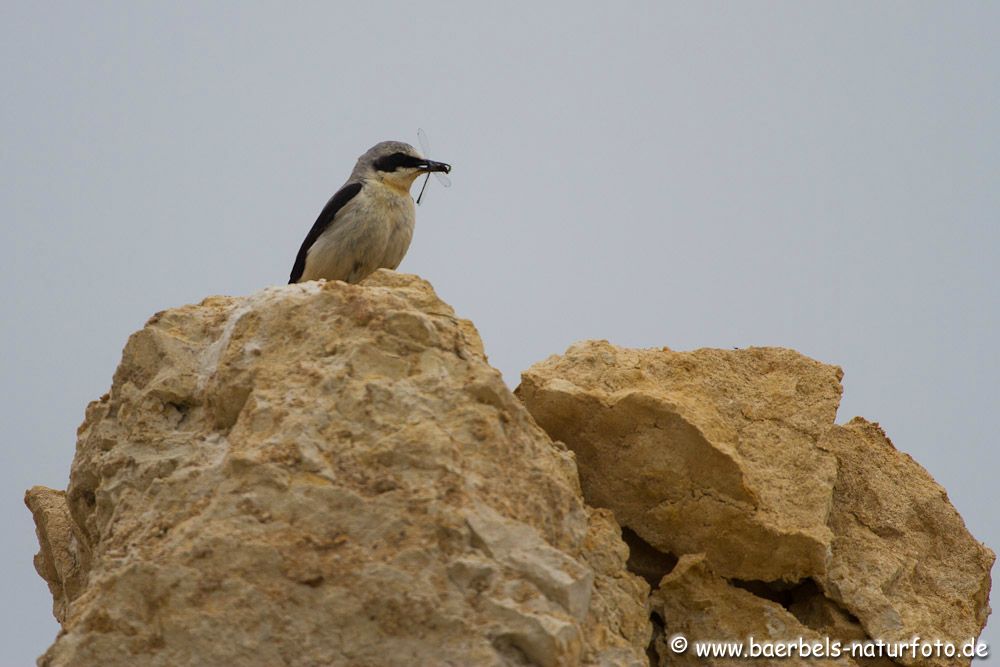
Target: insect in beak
{"x": 439, "y": 169}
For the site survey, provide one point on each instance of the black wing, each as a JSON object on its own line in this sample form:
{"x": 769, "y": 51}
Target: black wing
{"x": 325, "y": 219}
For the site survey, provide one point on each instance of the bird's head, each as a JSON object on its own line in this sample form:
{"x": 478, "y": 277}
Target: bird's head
{"x": 396, "y": 164}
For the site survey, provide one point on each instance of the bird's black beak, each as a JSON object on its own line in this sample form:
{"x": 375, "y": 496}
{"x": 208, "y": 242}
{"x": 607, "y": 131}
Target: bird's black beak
{"x": 431, "y": 165}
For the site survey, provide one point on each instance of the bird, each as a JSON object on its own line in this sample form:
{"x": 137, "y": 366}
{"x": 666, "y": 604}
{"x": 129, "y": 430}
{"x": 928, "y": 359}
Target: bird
{"x": 368, "y": 222}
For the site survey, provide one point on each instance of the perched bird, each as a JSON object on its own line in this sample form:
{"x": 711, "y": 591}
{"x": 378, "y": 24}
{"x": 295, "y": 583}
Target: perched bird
{"x": 368, "y": 223}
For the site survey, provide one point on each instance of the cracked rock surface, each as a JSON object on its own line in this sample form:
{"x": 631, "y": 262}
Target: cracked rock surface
{"x": 730, "y": 461}
{"x": 699, "y": 604}
{"x": 327, "y": 474}
{"x": 902, "y": 560}
{"x": 710, "y": 451}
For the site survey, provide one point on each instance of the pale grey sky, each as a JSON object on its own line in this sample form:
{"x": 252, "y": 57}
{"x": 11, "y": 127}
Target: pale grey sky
{"x": 822, "y": 176}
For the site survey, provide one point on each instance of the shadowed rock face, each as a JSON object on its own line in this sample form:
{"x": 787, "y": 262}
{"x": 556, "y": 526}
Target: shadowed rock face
{"x": 730, "y": 460}
{"x": 697, "y": 603}
{"x": 327, "y": 474}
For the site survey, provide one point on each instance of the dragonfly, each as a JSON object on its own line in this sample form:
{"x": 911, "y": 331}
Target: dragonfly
{"x": 425, "y": 147}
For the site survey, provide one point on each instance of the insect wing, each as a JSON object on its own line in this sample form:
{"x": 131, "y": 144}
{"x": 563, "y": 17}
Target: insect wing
{"x": 445, "y": 181}
{"x": 425, "y": 145}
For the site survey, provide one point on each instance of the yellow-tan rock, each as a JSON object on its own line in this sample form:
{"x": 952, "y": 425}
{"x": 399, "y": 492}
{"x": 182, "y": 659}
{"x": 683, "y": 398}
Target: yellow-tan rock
{"x": 731, "y": 461}
{"x": 327, "y": 474}
{"x": 64, "y": 558}
{"x": 828, "y": 619}
{"x": 700, "y": 606}
{"x": 902, "y": 561}
{"x": 711, "y": 451}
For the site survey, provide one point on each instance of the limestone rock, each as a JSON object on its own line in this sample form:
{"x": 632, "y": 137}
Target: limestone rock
{"x": 710, "y": 451}
{"x": 327, "y": 474}
{"x": 735, "y": 455}
{"x": 903, "y": 561}
{"x": 699, "y": 605}
{"x": 63, "y": 560}
{"x": 829, "y": 619}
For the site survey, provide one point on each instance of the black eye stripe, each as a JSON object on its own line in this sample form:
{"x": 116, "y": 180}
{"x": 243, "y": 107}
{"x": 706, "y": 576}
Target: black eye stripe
{"x": 397, "y": 161}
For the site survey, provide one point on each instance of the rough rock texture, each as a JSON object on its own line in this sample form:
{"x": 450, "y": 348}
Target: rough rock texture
{"x": 827, "y": 618}
{"x": 64, "y": 558}
{"x": 699, "y": 605}
{"x": 327, "y": 474}
{"x": 709, "y": 451}
{"x": 902, "y": 560}
{"x": 735, "y": 455}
